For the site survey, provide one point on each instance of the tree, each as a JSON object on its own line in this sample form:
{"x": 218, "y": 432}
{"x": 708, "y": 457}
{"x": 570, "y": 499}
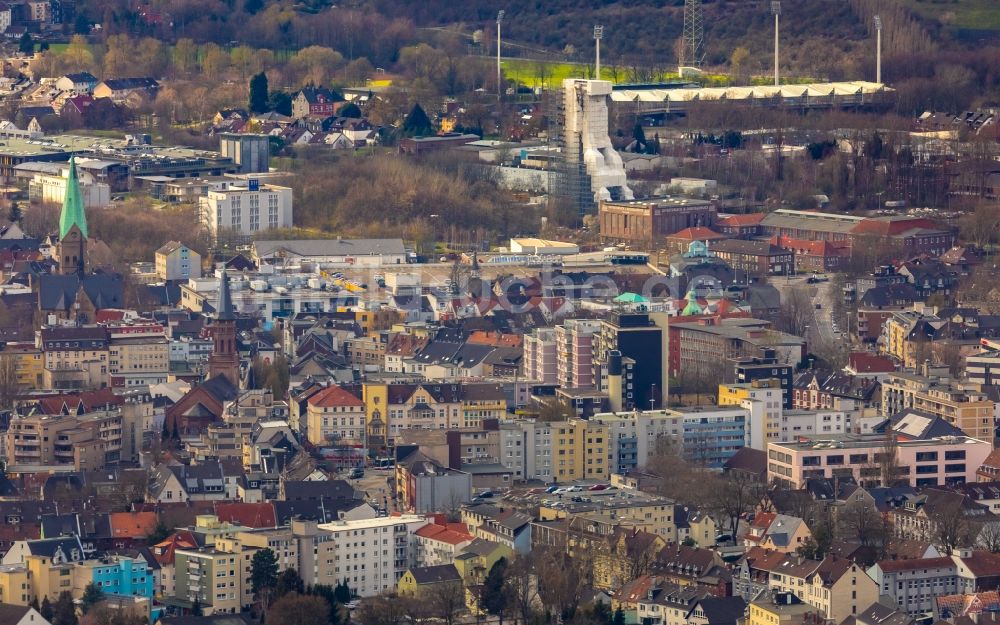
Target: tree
{"x": 619, "y": 617}
{"x": 26, "y": 45}
{"x": 92, "y": 595}
{"x": 521, "y": 588}
{"x": 342, "y": 593}
{"x": 444, "y": 601}
{"x": 493, "y": 596}
{"x": 64, "y": 611}
{"x": 258, "y": 93}
{"x": 859, "y": 521}
{"x": 15, "y": 214}
{"x": 797, "y": 311}
{"x": 327, "y": 592}
{"x": 738, "y": 61}
{"x": 46, "y": 609}
{"x": 639, "y": 135}
{"x": 417, "y": 123}
{"x": 561, "y": 579}
{"x": 296, "y": 609}
{"x": 383, "y": 610}
{"x": 351, "y": 110}
{"x": 263, "y": 576}
{"x": 888, "y": 460}
{"x": 733, "y": 495}
{"x": 288, "y": 581}
{"x": 280, "y": 102}
{"x": 9, "y": 384}
{"x": 162, "y": 530}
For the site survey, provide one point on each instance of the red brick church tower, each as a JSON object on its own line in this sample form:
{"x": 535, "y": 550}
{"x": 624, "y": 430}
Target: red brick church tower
{"x": 225, "y": 358}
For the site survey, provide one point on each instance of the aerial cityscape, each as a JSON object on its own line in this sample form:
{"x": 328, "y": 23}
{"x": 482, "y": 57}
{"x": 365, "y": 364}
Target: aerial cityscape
{"x": 579, "y": 312}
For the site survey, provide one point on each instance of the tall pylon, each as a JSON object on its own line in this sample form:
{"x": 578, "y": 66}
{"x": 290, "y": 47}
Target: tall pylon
{"x": 694, "y": 34}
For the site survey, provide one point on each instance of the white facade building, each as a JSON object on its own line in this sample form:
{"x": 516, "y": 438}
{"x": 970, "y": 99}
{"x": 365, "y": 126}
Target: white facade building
{"x": 374, "y": 553}
{"x": 247, "y": 210}
{"x": 52, "y": 188}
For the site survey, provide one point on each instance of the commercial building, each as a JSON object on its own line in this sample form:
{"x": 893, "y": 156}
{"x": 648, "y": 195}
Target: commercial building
{"x": 50, "y": 180}
{"x": 250, "y": 152}
{"x": 629, "y": 355}
{"x": 912, "y": 234}
{"x": 329, "y": 253}
{"x": 247, "y": 210}
{"x": 756, "y": 258}
{"x": 650, "y": 220}
{"x": 938, "y": 461}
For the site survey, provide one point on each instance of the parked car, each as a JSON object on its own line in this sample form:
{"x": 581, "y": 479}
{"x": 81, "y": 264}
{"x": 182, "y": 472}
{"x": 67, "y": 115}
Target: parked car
{"x": 598, "y": 487}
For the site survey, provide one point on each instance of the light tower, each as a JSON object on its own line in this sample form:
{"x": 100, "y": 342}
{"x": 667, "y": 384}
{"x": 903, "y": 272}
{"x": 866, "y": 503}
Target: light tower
{"x": 776, "y": 10}
{"x": 878, "y": 49}
{"x": 598, "y": 35}
{"x": 500, "y": 15}
{"x": 694, "y": 33}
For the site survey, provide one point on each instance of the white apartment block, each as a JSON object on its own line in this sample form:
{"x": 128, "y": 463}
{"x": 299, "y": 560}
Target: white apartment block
{"x": 247, "y": 210}
{"x": 372, "y": 554}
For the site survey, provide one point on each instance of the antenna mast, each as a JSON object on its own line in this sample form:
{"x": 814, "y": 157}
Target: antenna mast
{"x": 694, "y": 33}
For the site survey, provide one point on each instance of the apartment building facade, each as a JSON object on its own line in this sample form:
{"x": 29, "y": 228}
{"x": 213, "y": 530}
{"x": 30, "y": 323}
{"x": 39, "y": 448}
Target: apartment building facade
{"x": 937, "y": 461}
{"x": 371, "y": 555}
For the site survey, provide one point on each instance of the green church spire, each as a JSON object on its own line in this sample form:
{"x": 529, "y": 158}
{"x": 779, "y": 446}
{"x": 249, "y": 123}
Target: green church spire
{"x": 72, "y": 208}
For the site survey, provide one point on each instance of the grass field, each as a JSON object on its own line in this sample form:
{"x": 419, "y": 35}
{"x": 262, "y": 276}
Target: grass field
{"x": 970, "y": 14}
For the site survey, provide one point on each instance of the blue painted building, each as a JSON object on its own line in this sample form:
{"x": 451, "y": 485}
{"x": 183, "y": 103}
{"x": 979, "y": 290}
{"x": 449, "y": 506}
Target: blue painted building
{"x": 121, "y": 575}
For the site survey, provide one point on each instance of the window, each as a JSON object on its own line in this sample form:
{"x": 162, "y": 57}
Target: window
{"x": 954, "y": 455}
{"x": 927, "y": 456}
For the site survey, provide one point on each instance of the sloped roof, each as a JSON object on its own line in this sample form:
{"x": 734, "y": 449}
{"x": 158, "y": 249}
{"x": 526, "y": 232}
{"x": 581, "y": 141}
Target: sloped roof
{"x": 247, "y": 514}
{"x": 132, "y": 524}
{"x": 435, "y": 574}
{"x": 335, "y": 396}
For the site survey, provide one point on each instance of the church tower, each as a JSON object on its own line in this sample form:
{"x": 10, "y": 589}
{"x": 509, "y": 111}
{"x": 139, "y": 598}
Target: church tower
{"x": 71, "y": 251}
{"x": 225, "y": 358}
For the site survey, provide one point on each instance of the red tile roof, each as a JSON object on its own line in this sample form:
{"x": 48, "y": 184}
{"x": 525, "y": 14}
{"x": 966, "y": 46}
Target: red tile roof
{"x": 333, "y": 396}
{"x": 445, "y": 534}
{"x": 983, "y": 563}
{"x": 132, "y": 524}
{"x": 246, "y": 514}
{"x": 90, "y": 400}
{"x": 863, "y": 362}
{"x": 697, "y": 233}
{"x": 164, "y": 551}
{"x": 750, "y": 219}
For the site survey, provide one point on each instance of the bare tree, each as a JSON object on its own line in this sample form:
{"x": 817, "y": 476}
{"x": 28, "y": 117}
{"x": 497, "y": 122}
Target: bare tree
{"x": 797, "y": 311}
{"x": 887, "y": 459}
{"x": 560, "y": 581}
{"x": 522, "y": 589}
{"x": 988, "y": 537}
{"x": 859, "y": 520}
{"x": 383, "y": 609}
{"x": 951, "y": 527}
{"x": 9, "y": 384}
{"x": 733, "y": 495}
{"x": 444, "y": 601}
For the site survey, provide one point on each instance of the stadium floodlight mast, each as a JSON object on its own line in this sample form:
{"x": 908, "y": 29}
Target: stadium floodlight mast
{"x": 598, "y": 35}
{"x": 500, "y": 15}
{"x": 776, "y": 10}
{"x": 878, "y": 49}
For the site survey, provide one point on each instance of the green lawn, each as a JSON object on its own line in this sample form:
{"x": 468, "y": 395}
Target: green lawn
{"x": 971, "y": 14}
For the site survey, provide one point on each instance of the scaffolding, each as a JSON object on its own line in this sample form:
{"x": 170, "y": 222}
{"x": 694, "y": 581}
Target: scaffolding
{"x": 568, "y": 178}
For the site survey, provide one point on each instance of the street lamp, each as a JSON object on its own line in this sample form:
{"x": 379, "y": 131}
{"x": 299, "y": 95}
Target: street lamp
{"x": 878, "y": 49}
{"x": 598, "y": 35}
{"x": 776, "y": 10}
{"x": 500, "y": 15}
